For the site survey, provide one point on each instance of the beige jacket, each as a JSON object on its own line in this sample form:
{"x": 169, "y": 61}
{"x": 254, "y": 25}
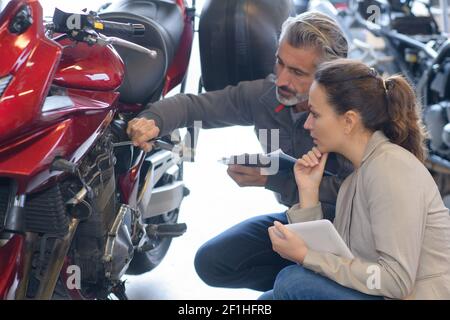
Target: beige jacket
{"x": 391, "y": 215}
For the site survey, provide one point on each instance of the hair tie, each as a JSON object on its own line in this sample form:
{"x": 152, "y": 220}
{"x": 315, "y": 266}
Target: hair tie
{"x": 385, "y": 86}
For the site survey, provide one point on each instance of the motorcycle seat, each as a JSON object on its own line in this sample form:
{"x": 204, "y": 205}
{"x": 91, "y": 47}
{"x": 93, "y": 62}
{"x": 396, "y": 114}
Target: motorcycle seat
{"x": 163, "y": 23}
{"x": 163, "y": 15}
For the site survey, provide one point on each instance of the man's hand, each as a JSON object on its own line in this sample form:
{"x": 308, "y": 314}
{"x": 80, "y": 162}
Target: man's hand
{"x": 246, "y": 176}
{"x": 287, "y": 244}
{"x": 141, "y": 130}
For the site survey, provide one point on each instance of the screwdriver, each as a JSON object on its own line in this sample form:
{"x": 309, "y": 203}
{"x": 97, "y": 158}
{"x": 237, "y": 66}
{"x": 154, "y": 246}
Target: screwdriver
{"x": 156, "y": 142}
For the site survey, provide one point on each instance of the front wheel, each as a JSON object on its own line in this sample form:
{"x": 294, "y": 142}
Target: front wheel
{"x": 145, "y": 261}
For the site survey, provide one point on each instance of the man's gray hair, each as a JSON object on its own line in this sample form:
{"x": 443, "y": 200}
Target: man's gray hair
{"x": 317, "y": 30}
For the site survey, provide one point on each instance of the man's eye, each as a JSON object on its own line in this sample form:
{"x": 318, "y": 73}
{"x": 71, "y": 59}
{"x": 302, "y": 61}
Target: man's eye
{"x": 298, "y": 73}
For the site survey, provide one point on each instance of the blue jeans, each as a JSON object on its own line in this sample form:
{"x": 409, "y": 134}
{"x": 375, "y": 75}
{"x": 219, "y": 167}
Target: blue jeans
{"x": 298, "y": 283}
{"x": 242, "y": 256}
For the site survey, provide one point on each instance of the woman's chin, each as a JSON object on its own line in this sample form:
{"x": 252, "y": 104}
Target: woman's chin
{"x": 321, "y": 147}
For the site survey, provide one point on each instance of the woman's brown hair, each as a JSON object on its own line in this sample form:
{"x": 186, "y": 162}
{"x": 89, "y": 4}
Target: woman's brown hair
{"x": 388, "y": 104}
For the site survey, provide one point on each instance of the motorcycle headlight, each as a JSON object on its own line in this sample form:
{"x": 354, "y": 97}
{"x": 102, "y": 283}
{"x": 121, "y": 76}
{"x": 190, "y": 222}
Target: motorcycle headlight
{"x": 4, "y": 83}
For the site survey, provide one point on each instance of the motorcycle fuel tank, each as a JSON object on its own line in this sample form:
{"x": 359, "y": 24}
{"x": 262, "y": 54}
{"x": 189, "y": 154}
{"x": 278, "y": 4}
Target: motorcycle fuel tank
{"x": 89, "y": 67}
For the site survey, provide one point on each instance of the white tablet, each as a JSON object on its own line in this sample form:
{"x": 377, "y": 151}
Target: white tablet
{"x": 321, "y": 236}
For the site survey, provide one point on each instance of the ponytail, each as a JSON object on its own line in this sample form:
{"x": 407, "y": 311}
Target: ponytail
{"x": 404, "y": 126}
{"x": 388, "y": 105}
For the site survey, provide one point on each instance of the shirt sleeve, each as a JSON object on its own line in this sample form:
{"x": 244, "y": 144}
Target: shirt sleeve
{"x": 234, "y": 105}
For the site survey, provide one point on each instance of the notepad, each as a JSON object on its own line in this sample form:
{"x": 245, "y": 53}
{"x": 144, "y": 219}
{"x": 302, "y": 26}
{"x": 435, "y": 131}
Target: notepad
{"x": 285, "y": 161}
{"x": 321, "y": 236}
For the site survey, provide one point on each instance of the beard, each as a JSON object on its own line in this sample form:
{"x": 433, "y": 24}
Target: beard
{"x": 295, "y": 99}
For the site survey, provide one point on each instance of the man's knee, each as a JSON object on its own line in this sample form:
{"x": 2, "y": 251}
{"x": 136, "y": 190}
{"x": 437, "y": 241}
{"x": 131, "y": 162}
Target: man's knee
{"x": 207, "y": 264}
{"x": 203, "y": 263}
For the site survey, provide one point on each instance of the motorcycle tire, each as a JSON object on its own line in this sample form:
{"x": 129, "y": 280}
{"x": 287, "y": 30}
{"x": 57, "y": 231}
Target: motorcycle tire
{"x": 145, "y": 261}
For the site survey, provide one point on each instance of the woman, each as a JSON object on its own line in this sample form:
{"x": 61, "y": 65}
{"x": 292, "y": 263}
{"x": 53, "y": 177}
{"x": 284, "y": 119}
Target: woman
{"x": 389, "y": 210}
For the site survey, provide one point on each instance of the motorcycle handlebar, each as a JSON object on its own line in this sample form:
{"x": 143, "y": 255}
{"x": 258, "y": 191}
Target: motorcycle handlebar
{"x": 119, "y": 29}
{"x": 64, "y": 22}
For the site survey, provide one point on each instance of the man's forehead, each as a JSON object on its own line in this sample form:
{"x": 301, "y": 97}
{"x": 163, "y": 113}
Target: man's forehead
{"x": 304, "y": 58}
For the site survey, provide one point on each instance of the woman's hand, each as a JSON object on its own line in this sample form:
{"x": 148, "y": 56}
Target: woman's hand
{"x": 308, "y": 171}
{"x": 287, "y": 244}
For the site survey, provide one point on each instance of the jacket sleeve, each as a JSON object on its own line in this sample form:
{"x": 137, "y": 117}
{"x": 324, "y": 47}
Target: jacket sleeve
{"x": 396, "y": 210}
{"x": 297, "y": 214}
{"x": 284, "y": 184}
{"x": 231, "y": 106}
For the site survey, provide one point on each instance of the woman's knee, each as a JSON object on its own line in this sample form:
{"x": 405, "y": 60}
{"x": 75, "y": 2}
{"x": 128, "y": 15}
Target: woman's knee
{"x": 293, "y": 282}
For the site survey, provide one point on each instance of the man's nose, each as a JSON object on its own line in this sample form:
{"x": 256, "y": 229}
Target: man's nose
{"x": 308, "y": 122}
{"x": 283, "y": 78}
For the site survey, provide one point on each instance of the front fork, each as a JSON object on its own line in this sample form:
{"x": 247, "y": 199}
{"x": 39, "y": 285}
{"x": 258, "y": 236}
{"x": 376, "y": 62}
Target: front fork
{"x": 11, "y": 252}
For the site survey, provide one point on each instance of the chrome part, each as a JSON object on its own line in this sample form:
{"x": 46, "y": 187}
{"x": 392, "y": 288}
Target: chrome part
{"x": 164, "y": 199}
{"x": 159, "y": 163}
{"x": 15, "y": 218}
{"x": 53, "y": 103}
{"x": 19, "y": 201}
{"x": 4, "y": 82}
{"x": 157, "y": 144}
{"x": 119, "y": 248}
{"x": 78, "y": 198}
{"x": 78, "y": 207}
{"x": 103, "y": 40}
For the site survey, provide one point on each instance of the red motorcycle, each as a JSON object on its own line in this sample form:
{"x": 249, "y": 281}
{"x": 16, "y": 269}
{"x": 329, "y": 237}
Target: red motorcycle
{"x": 79, "y": 205}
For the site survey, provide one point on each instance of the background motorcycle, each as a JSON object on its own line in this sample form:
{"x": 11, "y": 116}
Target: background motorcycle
{"x": 73, "y": 195}
{"x": 406, "y": 38}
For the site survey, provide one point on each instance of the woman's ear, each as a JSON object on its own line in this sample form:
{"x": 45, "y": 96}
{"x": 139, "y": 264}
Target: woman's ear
{"x": 350, "y": 118}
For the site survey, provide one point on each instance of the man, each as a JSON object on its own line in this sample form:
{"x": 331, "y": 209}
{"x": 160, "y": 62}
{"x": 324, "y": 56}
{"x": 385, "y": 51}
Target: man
{"x": 242, "y": 257}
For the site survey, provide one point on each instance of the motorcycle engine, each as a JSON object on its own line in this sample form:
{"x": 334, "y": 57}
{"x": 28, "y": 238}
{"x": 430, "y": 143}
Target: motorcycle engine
{"x": 102, "y": 246}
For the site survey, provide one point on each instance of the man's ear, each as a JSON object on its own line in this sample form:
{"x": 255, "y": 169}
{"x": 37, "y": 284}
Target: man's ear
{"x": 350, "y": 118}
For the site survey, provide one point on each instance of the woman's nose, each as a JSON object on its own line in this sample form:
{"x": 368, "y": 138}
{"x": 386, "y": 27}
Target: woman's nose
{"x": 309, "y": 122}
